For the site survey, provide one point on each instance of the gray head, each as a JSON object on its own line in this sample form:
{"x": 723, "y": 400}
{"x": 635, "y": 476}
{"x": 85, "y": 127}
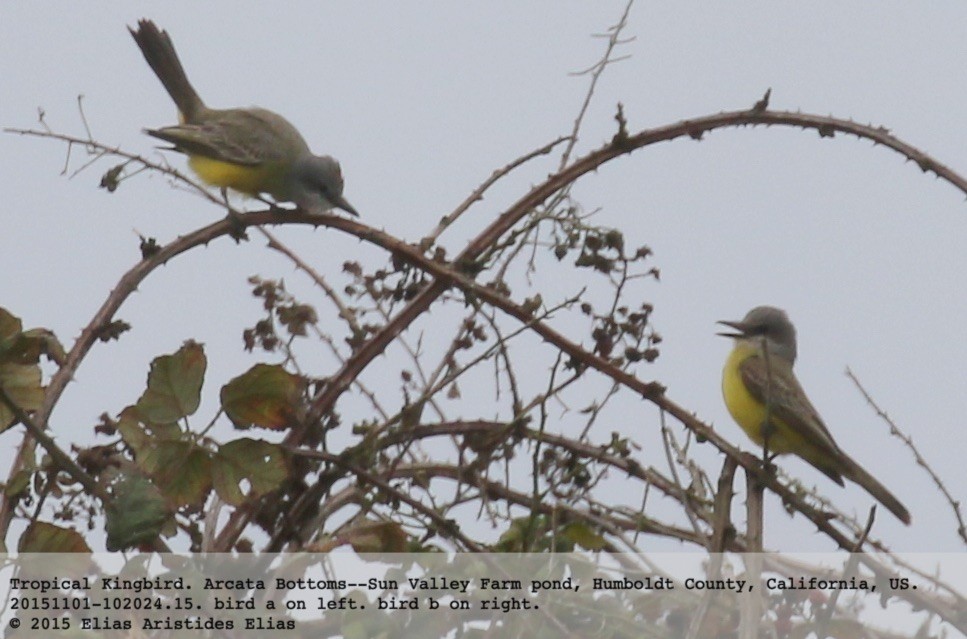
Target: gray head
{"x": 315, "y": 182}
{"x": 768, "y": 323}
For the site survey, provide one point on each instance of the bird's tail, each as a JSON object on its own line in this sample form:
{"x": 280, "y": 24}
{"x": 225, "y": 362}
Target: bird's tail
{"x": 159, "y": 51}
{"x": 853, "y": 471}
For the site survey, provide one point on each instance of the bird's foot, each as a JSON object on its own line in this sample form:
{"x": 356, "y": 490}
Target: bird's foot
{"x": 237, "y": 227}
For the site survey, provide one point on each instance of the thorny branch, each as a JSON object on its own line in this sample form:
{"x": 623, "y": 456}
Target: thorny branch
{"x": 382, "y": 457}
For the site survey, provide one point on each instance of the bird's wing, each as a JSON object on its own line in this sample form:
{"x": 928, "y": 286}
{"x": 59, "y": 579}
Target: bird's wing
{"x": 774, "y": 384}
{"x": 790, "y": 405}
{"x": 207, "y": 140}
{"x": 247, "y": 137}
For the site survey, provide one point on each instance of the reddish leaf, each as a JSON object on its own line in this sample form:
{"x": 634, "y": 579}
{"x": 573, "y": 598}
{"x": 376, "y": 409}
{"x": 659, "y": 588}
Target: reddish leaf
{"x": 266, "y": 396}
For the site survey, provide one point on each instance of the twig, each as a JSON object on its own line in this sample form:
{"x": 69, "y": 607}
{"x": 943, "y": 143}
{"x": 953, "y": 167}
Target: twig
{"x": 596, "y": 71}
{"x": 921, "y": 461}
{"x": 60, "y": 458}
{"x": 478, "y": 193}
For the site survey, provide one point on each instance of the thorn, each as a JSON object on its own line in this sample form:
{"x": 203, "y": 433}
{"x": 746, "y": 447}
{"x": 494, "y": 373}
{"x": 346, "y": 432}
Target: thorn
{"x": 762, "y": 104}
{"x": 621, "y": 137}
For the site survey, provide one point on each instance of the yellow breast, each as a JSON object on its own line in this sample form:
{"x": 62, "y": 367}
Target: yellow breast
{"x": 250, "y": 180}
{"x": 748, "y": 412}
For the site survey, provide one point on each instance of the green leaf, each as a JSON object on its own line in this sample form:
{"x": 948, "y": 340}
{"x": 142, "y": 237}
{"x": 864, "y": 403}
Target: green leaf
{"x": 143, "y": 437}
{"x": 28, "y": 346}
{"x": 136, "y": 514}
{"x": 131, "y": 431}
{"x": 22, "y": 384}
{"x": 10, "y": 324}
{"x": 19, "y": 374}
{"x": 181, "y": 469}
{"x": 259, "y": 462}
{"x": 44, "y": 537}
{"x": 582, "y": 535}
{"x": 266, "y": 396}
{"x": 19, "y": 483}
{"x": 376, "y": 536}
{"x": 174, "y": 385}
{"x": 47, "y": 344}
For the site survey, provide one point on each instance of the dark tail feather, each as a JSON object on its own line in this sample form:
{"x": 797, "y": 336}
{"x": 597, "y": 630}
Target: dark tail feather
{"x": 159, "y": 51}
{"x": 853, "y": 471}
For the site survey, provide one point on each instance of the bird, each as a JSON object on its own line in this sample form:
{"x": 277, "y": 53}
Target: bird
{"x": 766, "y": 400}
{"x": 250, "y": 150}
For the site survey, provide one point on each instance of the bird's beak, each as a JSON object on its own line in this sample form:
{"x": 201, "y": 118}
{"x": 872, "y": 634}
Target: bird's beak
{"x": 739, "y": 326}
{"x": 341, "y": 203}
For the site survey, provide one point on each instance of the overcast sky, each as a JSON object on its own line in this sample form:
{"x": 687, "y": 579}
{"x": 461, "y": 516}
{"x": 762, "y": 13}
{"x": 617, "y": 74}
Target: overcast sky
{"x": 420, "y": 101}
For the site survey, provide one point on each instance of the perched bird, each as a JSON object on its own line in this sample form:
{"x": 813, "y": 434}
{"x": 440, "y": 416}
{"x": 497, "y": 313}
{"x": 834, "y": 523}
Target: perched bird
{"x": 250, "y": 150}
{"x": 766, "y": 400}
